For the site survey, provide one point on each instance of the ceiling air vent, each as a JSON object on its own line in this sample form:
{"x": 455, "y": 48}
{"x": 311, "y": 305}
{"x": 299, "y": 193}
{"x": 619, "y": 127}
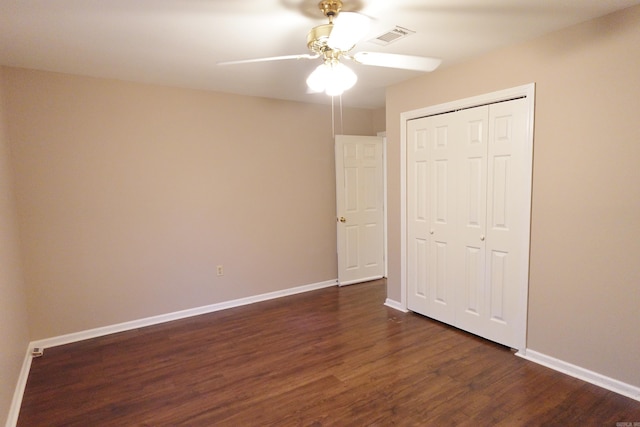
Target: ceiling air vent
{"x": 392, "y": 35}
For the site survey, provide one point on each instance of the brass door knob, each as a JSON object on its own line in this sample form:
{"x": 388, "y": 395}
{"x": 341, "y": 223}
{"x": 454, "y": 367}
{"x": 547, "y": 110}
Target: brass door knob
{"x": 342, "y": 219}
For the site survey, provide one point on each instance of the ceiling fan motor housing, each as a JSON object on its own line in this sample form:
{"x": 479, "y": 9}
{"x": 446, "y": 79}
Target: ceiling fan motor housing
{"x": 318, "y": 37}
{"x": 330, "y": 8}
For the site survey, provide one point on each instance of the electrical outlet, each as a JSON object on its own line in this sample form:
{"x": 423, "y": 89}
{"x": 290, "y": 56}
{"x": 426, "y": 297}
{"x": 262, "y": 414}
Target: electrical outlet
{"x": 220, "y": 270}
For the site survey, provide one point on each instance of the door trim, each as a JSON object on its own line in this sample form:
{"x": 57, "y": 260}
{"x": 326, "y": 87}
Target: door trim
{"x": 385, "y": 254}
{"x": 527, "y": 91}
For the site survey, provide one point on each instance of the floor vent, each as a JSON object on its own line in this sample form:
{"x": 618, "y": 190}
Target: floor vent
{"x": 392, "y": 35}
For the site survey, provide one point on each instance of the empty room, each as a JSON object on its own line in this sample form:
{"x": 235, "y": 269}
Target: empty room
{"x": 303, "y": 212}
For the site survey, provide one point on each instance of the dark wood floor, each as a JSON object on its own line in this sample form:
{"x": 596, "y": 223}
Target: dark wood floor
{"x": 331, "y": 357}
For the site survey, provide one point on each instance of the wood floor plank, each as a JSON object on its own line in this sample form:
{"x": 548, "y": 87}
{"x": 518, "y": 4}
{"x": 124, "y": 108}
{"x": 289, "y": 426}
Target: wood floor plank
{"x": 331, "y": 357}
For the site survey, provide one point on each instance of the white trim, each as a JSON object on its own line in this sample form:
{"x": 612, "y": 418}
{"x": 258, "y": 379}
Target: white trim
{"x": 527, "y": 91}
{"x": 154, "y": 320}
{"x": 595, "y": 378}
{"x": 385, "y": 254}
{"x": 395, "y": 305}
{"x": 18, "y": 393}
{"x": 404, "y": 117}
{"x": 362, "y": 280}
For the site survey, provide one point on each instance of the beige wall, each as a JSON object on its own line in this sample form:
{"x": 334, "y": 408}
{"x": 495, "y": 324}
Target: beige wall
{"x": 129, "y": 195}
{"x": 13, "y": 309}
{"x": 379, "y": 120}
{"x": 584, "y": 290}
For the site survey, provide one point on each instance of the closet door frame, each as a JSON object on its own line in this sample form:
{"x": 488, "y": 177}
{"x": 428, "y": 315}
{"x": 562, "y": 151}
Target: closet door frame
{"x": 525, "y": 91}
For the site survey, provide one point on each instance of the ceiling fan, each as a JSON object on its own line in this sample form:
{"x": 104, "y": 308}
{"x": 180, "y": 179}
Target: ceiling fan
{"x": 333, "y": 41}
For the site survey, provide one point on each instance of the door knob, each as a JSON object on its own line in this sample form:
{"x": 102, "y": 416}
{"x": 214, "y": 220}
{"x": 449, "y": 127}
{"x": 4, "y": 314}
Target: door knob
{"x": 342, "y": 219}
{"x": 482, "y": 237}
{"x": 431, "y": 232}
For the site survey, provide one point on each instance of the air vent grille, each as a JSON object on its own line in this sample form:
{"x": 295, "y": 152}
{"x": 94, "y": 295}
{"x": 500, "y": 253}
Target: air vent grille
{"x": 392, "y": 35}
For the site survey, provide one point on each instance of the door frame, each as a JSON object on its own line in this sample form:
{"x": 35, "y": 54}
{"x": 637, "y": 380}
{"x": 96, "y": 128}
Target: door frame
{"x": 527, "y": 91}
{"x": 385, "y": 254}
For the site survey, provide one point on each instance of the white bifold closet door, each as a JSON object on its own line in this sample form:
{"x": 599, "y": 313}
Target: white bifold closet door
{"x": 464, "y": 227}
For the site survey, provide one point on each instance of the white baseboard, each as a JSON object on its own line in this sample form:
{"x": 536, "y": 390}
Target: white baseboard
{"x": 395, "y": 305}
{"x": 16, "y": 402}
{"x": 583, "y": 374}
{"x": 154, "y": 320}
{"x": 361, "y": 280}
{"x": 14, "y": 410}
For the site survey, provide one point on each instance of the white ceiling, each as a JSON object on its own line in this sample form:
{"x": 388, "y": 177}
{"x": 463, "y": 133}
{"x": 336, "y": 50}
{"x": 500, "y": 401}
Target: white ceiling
{"x": 180, "y": 42}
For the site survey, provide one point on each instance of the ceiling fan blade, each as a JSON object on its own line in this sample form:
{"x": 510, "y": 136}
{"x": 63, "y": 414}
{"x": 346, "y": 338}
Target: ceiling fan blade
{"x": 272, "y": 58}
{"x": 348, "y": 29}
{"x": 393, "y": 60}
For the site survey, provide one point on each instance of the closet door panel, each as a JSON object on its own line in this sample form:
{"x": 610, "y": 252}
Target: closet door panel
{"x": 505, "y": 204}
{"x": 442, "y": 199}
{"x": 418, "y": 211}
{"x": 471, "y": 310}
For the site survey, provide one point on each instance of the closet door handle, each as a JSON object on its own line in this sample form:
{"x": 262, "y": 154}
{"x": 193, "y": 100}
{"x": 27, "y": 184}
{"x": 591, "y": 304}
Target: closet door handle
{"x": 431, "y": 232}
{"x": 482, "y": 237}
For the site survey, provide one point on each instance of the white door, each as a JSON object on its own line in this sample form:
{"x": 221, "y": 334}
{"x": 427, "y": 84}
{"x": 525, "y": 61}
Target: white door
{"x": 432, "y": 216}
{"x": 419, "y": 135}
{"x": 472, "y": 202}
{"x": 465, "y": 196}
{"x": 360, "y": 208}
{"x": 507, "y": 229}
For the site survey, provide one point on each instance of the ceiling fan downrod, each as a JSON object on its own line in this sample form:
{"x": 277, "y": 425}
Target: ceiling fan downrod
{"x": 330, "y": 8}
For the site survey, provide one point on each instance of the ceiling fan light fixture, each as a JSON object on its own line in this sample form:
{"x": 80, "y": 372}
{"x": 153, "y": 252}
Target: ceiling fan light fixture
{"x": 316, "y": 80}
{"x": 332, "y": 77}
{"x": 341, "y": 78}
